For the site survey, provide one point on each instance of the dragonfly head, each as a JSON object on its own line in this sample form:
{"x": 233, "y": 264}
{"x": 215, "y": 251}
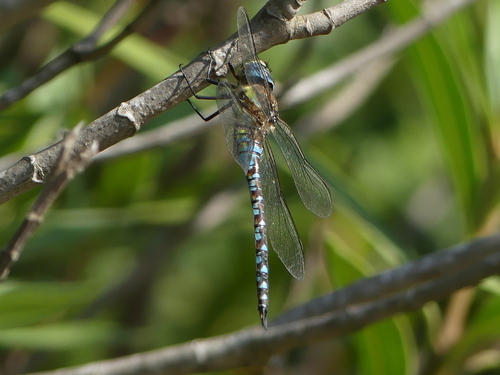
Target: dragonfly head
{"x": 259, "y": 70}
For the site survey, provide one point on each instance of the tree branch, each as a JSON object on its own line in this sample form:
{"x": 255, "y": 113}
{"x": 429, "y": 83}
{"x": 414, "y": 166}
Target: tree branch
{"x": 431, "y": 278}
{"x": 66, "y": 168}
{"x": 426, "y": 269}
{"x": 124, "y": 121}
{"x": 84, "y": 50}
{"x": 348, "y": 99}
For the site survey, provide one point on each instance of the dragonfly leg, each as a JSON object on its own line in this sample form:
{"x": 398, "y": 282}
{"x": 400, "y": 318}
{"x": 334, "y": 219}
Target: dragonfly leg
{"x": 204, "y": 118}
{"x": 202, "y": 97}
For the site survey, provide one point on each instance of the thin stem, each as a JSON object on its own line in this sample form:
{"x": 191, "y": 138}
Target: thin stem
{"x": 84, "y": 50}
{"x": 65, "y": 170}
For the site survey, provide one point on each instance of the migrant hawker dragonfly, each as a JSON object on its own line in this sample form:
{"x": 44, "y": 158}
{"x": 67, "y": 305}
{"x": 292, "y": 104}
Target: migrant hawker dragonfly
{"x": 249, "y": 113}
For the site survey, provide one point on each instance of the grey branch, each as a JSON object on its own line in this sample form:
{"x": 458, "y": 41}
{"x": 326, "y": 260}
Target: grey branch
{"x": 401, "y": 290}
{"x": 124, "y": 121}
{"x": 429, "y": 268}
{"x": 66, "y": 168}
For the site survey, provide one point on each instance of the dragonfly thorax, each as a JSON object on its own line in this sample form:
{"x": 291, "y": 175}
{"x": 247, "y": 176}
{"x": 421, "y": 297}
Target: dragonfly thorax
{"x": 250, "y": 97}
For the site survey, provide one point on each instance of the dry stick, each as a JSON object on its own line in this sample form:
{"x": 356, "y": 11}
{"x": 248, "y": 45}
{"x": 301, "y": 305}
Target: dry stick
{"x": 253, "y": 347}
{"x": 111, "y": 18}
{"x": 65, "y": 170}
{"x": 130, "y": 116}
{"x": 84, "y": 50}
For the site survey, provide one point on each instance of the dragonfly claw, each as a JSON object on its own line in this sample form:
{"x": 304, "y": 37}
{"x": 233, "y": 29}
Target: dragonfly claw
{"x": 263, "y": 317}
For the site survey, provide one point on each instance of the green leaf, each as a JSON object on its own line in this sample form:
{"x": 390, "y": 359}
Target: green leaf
{"x": 387, "y": 347}
{"x": 348, "y": 200}
{"x": 172, "y": 211}
{"x": 26, "y": 303}
{"x": 61, "y": 336}
{"x": 483, "y": 331}
{"x": 492, "y": 55}
{"x": 448, "y": 107}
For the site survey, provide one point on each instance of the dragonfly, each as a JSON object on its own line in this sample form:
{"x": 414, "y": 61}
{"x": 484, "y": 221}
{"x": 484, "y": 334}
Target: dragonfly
{"x": 249, "y": 113}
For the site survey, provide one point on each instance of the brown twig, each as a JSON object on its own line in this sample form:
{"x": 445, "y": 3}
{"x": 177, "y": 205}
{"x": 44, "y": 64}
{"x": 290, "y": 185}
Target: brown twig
{"x": 424, "y": 270}
{"x": 84, "y": 50}
{"x": 65, "y": 170}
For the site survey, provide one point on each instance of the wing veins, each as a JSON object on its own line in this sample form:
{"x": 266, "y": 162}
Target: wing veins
{"x": 282, "y": 231}
{"x": 311, "y": 187}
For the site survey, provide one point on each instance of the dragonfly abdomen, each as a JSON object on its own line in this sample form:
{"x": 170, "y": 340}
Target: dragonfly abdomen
{"x": 261, "y": 248}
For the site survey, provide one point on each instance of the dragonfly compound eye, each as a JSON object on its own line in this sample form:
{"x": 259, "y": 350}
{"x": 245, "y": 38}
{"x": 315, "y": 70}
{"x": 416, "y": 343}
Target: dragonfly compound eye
{"x": 260, "y": 71}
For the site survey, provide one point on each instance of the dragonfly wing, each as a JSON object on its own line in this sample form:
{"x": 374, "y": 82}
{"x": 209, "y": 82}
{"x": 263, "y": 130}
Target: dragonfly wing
{"x": 246, "y": 45}
{"x": 281, "y": 228}
{"x": 311, "y": 187}
{"x": 236, "y": 123}
{"x": 256, "y": 71}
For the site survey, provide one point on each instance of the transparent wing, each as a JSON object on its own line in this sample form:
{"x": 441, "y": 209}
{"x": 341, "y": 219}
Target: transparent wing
{"x": 235, "y": 119}
{"x": 246, "y": 45}
{"x": 311, "y": 187}
{"x": 255, "y": 71}
{"x": 281, "y": 228}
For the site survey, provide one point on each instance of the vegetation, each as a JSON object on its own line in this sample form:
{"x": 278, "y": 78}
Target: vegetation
{"x": 155, "y": 247}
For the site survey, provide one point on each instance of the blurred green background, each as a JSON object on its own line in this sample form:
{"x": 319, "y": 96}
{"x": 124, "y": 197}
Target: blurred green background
{"x": 156, "y": 248}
